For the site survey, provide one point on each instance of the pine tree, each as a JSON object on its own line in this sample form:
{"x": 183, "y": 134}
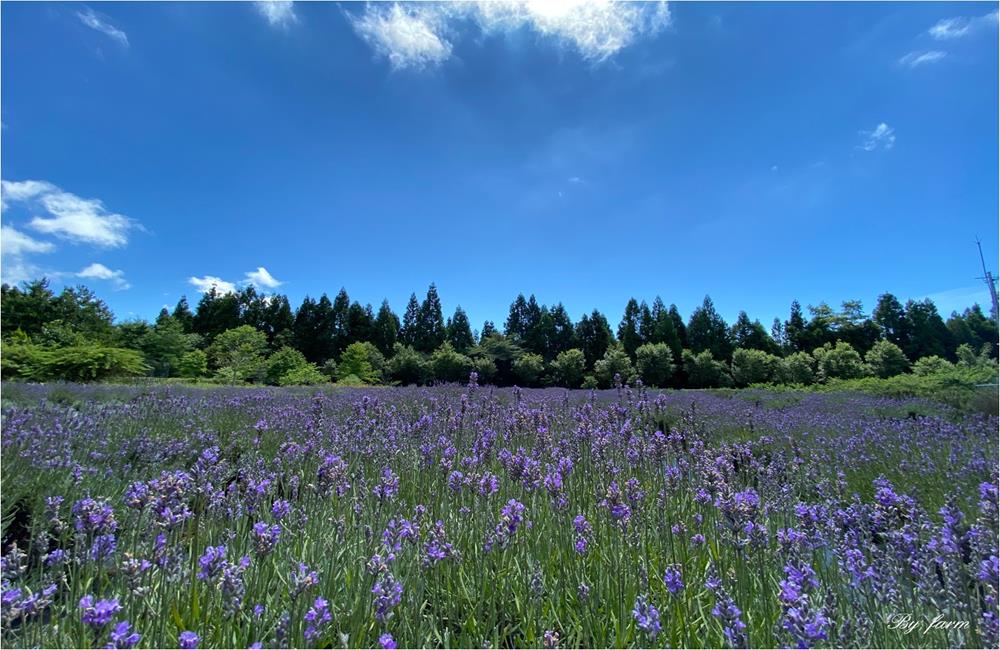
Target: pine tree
{"x": 628, "y": 329}
{"x": 430, "y": 323}
{"x": 411, "y": 322}
{"x": 386, "y": 330}
{"x": 708, "y": 331}
{"x": 459, "y": 332}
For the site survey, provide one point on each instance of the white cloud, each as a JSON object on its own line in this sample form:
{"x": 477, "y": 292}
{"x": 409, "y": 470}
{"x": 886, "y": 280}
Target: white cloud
{"x": 417, "y": 36}
{"x": 262, "y": 278}
{"x": 205, "y": 284}
{"x": 597, "y": 29}
{"x": 278, "y": 13}
{"x": 97, "y": 271}
{"x": 69, "y": 216}
{"x": 93, "y": 21}
{"x": 882, "y": 136}
{"x": 952, "y": 28}
{"x": 409, "y": 37}
{"x": 913, "y": 59}
{"x": 15, "y": 243}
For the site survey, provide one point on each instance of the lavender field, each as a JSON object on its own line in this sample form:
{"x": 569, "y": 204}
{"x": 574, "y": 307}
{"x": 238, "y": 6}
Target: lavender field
{"x": 478, "y": 517}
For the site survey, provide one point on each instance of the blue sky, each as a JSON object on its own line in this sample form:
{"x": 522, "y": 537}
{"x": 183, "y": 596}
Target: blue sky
{"x": 584, "y": 153}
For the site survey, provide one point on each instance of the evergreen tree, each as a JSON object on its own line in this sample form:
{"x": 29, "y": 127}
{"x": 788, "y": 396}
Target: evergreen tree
{"x": 890, "y": 316}
{"x": 278, "y": 322}
{"x": 386, "y": 330}
{"x": 459, "y": 332}
{"x": 517, "y": 324}
{"x": 628, "y": 329}
{"x": 489, "y": 329}
{"x": 594, "y": 336}
{"x": 340, "y": 322}
{"x": 795, "y": 330}
{"x": 411, "y": 322}
{"x": 430, "y": 323}
{"x": 929, "y": 336}
{"x": 752, "y": 335}
{"x": 708, "y": 331}
{"x": 360, "y": 323}
{"x": 216, "y": 313}
{"x": 561, "y": 337}
{"x": 679, "y": 327}
{"x": 182, "y": 313}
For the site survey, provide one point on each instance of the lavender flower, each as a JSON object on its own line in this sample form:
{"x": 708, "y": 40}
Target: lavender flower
{"x": 188, "y": 640}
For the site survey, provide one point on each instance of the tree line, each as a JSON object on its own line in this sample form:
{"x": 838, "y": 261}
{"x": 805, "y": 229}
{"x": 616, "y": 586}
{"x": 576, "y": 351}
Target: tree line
{"x": 247, "y": 336}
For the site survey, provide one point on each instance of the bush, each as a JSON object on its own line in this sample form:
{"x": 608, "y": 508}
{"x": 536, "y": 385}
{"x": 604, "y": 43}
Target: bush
{"x": 528, "y": 369}
{"x": 655, "y": 363}
{"x": 796, "y": 369}
{"x": 753, "y": 367}
{"x": 357, "y": 360}
{"x": 238, "y": 354}
{"x": 589, "y": 382}
{"x": 74, "y": 363}
{"x": 703, "y": 371}
{"x": 449, "y": 365}
{"x": 485, "y": 369}
{"x": 193, "y": 364}
{"x": 407, "y": 366}
{"x": 305, "y": 375}
{"x": 568, "y": 367}
{"x": 838, "y": 362}
{"x": 886, "y": 359}
{"x": 283, "y": 362}
{"x": 931, "y": 365}
{"x": 615, "y": 362}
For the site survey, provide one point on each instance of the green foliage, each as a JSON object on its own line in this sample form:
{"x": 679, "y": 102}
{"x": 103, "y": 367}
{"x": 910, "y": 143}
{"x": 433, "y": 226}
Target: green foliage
{"x": 306, "y": 374}
{"x": 485, "y": 369}
{"x": 282, "y": 362}
{"x": 797, "y": 369}
{"x": 449, "y": 365}
{"x": 568, "y": 368}
{"x": 589, "y": 382}
{"x": 931, "y": 365}
{"x": 238, "y": 354}
{"x": 886, "y": 359}
{"x": 528, "y": 369}
{"x": 708, "y": 331}
{"x": 614, "y": 362}
{"x": 74, "y": 363}
{"x": 655, "y": 363}
{"x": 753, "y": 367}
{"x": 193, "y": 364}
{"x": 357, "y": 360}
{"x": 838, "y": 362}
{"x": 704, "y": 371}
{"x": 408, "y": 366}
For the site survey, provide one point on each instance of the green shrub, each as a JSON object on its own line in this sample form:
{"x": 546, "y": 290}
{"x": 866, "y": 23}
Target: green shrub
{"x": 528, "y": 369}
{"x": 75, "y": 363}
{"x": 886, "y": 359}
{"x": 305, "y": 375}
{"x": 357, "y": 360}
{"x": 703, "y": 371}
{"x": 568, "y": 367}
{"x": 193, "y": 364}
{"x": 485, "y": 369}
{"x": 753, "y": 367}
{"x": 407, "y": 366}
{"x": 614, "y": 362}
{"x": 655, "y": 363}
{"x": 838, "y": 362}
{"x": 796, "y": 369}
{"x": 931, "y": 365}
{"x": 282, "y": 362}
{"x": 449, "y": 365}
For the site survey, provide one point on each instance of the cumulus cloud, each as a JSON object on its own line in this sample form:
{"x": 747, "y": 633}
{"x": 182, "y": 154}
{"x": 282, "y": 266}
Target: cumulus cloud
{"x": 205, "y": 284}
{"x": 914, "y": 59}
{"x": 261, "y": 278}
{"x": 68, "y": 216}
{"x": 278, "y": 13}
{"x": 100, "y": 23}
{"x": 952, "y": 28}
{"x": 417, "y": 35}
{"x": 882, "y": 136}
{"x": 97, "y": 271}
{"x": 15, "y": 243}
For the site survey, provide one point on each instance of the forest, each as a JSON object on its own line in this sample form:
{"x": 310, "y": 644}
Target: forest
{"x": 251, "y": 337}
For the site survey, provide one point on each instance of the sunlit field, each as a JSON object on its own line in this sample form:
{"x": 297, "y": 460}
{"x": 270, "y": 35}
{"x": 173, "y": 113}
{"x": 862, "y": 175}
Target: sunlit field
{"x": 466, "y": 516}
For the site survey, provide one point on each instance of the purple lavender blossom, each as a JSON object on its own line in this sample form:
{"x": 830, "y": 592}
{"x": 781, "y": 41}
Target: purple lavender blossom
{"x": 188, "y": 640}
